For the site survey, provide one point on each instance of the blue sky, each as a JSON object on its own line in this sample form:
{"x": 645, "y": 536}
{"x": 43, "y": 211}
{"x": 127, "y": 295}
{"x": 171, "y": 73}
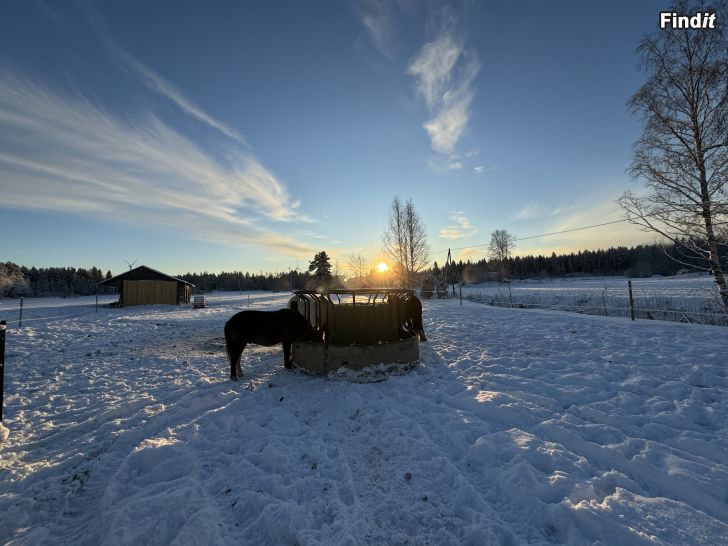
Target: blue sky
{"x": 215, "y": 136}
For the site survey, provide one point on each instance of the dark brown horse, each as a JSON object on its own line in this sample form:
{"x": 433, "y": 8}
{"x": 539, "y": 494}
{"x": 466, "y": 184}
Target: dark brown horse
{"x": 409, "y": 311}
{"x": 263, "y": 328}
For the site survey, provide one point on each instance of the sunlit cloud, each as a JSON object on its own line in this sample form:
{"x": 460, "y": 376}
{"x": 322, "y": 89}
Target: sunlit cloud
{"x": 460, "y": 227}
{"x": 471, "y": 253}
{"x": 433, "y": 68}
{"x": 59, "y": 151}
{"x": 444, "y": 72}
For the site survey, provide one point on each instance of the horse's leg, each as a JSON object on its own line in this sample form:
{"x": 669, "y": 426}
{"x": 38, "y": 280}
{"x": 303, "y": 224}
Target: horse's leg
{"x": 238, "y": 369}
{"x": 234, "y": 351}
{"x": 234, "y": 348}
{"x": 287, "y": 354}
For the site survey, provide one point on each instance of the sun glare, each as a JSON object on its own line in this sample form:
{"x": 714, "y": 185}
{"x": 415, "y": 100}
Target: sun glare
{"x": 382, "y": 267}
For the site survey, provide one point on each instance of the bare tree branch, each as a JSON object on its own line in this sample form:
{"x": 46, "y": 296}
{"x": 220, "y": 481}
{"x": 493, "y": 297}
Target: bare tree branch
{"x": 682, "y": 154}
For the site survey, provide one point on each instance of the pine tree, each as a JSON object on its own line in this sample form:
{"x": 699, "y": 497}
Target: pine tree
{"x": 320, "y": 266}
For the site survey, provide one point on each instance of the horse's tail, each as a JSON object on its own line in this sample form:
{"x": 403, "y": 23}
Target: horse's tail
{"x": 228, "y": 339}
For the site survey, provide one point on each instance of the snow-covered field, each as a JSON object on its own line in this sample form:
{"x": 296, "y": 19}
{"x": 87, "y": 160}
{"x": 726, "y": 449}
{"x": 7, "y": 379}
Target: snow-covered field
{"x": 685, "y": 298}
{"x": 519, "y": 427}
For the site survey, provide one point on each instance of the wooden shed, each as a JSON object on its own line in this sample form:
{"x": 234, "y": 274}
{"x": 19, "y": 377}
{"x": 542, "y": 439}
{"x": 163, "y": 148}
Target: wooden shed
{"x": 146, "y": 286}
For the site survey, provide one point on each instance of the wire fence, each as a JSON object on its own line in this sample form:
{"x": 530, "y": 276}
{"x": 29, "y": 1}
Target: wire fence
{"x": 682, "y": 304}
{"x": 27, "y": 312}
{"x": 693, "y": 305}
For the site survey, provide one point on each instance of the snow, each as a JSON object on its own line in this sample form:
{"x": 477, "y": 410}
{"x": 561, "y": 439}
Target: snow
{"x": 518, "y": 427}
{"x": 691, "y": 297}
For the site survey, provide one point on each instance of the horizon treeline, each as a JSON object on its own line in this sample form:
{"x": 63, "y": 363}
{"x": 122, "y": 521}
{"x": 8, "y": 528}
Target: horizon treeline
{"x": 637, "y": 261}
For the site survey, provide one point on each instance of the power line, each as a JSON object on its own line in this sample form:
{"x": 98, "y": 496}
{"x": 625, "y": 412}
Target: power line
{"x": 540, "y": 235}
{"x": 570, "y": 230}
{"x": 559, "y": 232}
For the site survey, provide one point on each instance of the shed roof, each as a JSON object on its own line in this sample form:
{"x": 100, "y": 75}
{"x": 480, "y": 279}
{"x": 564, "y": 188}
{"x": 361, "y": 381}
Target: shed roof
{"x": 139, "y": 273}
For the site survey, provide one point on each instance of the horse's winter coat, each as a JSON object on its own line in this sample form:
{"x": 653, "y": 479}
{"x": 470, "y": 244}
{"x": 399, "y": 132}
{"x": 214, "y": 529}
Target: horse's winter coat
{"x": 263, "y": 328}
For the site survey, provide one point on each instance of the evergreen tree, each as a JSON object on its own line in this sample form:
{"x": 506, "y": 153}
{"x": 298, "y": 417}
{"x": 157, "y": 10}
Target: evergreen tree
{"x": 320, "y": 266}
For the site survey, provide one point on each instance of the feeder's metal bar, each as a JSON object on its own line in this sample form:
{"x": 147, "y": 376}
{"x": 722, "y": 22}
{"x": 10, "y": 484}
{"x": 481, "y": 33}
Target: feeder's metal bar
{"x": 353, "y": 306}
{"x": 330, "y": 314}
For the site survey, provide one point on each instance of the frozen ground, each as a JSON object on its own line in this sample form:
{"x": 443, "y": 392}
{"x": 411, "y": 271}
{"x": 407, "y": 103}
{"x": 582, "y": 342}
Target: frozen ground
{"x": 519, "y": 427}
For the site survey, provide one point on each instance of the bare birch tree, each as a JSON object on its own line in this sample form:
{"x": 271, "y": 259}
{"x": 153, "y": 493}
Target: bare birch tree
{"x": 501, "y": 245}
{"x": 682, "y": 154}
{"x": 405, "y": 241}
{"x": 359, "y": 267}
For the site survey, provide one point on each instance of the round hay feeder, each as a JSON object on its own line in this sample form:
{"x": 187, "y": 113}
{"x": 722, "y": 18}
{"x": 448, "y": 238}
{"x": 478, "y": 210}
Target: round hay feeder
{"x": 355, "y": 329}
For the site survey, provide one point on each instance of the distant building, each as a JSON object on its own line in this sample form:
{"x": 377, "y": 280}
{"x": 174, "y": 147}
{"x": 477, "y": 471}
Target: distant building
{"x": 146, "y": 286}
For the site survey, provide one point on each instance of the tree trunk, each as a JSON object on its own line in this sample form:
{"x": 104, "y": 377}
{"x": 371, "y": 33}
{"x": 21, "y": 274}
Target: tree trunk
{"x": 713, "y": 256}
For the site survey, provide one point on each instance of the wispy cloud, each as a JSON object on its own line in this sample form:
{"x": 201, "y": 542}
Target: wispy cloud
{"x": 152, "y": 79}
{"x": 531, "y": 210}
{"x": 460, "y": 227}
{"x": 465, "y": 161}
{"x": 538, "y": 210}
{"x": 59, "y": 151}
{"x": 378, "y": 18}
{"x": 158, "y": 84}
{"x": 444, "y": 72}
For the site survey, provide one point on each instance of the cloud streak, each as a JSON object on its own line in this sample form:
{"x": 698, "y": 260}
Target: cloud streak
{"x": 61, "y": 152}
{"x": 460, "y": 227}
{"x": 152, "y": 79}
{"x": 444, "y": 73}
{"x": 377, "y": 16}
{"x": 529, "y": 211}
{"x": 158, "y": 84}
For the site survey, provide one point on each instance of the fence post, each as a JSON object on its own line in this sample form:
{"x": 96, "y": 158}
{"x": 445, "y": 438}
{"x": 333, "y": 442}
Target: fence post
{"x": 97, "y": 302}
{"x": 631, "y": 300}
{"x": 461, "y": 295}
{"x": 20, "y": 317}
{"x": 3, "y": 329}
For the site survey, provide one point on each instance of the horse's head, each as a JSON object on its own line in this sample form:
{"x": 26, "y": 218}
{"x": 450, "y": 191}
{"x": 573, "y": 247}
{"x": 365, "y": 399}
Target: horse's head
{"x": 301, "y": 328}
{"x": 308, "y": 335}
